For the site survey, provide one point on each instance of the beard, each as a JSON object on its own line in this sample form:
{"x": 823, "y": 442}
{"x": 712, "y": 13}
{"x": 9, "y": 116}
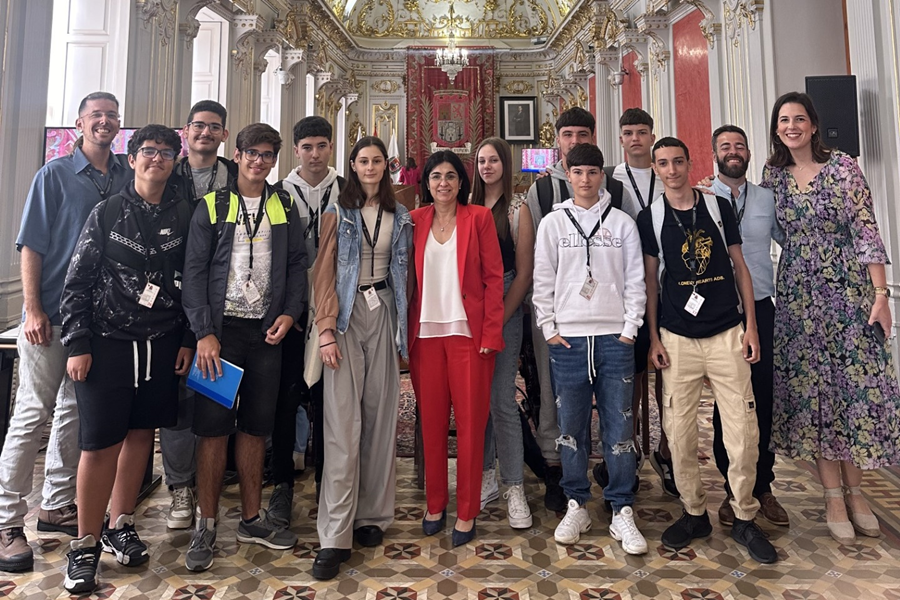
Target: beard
{"x": 733, "y": 171}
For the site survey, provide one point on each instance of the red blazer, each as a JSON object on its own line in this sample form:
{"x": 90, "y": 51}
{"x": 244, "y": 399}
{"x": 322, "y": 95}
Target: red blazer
{"x": 480, "y": 272}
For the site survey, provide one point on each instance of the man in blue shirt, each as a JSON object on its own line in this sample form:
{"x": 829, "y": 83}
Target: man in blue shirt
{"x": 61, "y": 196}
{"x": 754, "y": 208}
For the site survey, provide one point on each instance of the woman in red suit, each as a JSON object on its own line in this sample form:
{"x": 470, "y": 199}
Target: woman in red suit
{"x": 455, "y": 328}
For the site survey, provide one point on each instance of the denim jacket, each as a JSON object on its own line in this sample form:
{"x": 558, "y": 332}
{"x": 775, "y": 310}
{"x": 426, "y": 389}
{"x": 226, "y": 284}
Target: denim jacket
{"x": 349, "y": 252}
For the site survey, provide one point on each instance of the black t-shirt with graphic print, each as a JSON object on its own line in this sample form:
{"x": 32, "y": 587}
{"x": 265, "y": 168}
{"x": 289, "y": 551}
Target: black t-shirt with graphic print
{"x": 715, "y": 276}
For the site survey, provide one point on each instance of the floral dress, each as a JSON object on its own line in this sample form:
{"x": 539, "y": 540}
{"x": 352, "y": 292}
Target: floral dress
{"x": 836, "y": 395}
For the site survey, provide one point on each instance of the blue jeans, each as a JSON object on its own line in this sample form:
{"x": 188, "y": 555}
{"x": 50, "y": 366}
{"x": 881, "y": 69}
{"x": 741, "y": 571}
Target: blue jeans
{"x": 302, "y": 430}
{"x": 600, "y": 366}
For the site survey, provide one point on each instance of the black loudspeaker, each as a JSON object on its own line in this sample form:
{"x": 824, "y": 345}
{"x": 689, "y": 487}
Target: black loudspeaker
{"x": 835, "y": 99}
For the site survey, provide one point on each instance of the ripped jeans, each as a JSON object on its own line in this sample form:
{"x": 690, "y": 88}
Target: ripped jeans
{"x": 600, "y": 366}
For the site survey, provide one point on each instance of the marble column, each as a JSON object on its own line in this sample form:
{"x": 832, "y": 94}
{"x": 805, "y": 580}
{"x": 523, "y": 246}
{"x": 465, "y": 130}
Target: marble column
{"x": 152, "y": 65}
{"x": 293, "y": 105}
{"x": 25, "y": 54}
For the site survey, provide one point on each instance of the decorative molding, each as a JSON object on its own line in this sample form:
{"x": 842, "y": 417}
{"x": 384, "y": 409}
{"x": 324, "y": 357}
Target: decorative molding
{"x": 189, "y": 27}
{"x": 709, "y": 27}
{"x": 739, "y": 13}
{"x": 518, "y": 87}
{"x": 161, "y": 11}
{"x": 576, "y": 21}
{"x": 385, "y": 86}
{"x": 355, "y": 130}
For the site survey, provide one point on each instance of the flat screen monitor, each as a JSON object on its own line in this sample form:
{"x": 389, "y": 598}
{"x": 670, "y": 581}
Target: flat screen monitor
{"x": 535, "y": 160}
{"x": 58, "y": 141}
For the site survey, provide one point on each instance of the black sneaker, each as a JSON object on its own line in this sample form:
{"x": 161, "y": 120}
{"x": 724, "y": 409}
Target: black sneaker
{"x": 554, "y": 497}
{"x": 687, "y": 528}
{"x": 81, "y": 571}
{"x": 280, "y": 505}
{"x": 663, "y": 468}
{"x": 123, "y": 541}
{"x": 749, "y": 535}
{"x": 601, "y": 474}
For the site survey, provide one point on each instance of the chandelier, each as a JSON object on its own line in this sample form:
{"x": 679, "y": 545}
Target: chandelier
{"x": 451, "y": 59}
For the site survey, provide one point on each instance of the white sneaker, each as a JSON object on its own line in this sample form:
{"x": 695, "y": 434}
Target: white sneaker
{"x": 517, "y": 510}
{"x": 624, "y": 530}
{"x": 576, "y": 522}
{"x": 490, "y": 491}
{"x": 181, "y": 511}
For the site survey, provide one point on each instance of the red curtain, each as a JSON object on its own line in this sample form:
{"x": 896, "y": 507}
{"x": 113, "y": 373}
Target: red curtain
{"x": 423, "y": 79}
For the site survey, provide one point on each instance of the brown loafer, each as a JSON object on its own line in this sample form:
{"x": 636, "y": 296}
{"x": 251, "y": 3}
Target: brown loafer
{"x": 726, "y": 513}
{"x": 772, "y": 511}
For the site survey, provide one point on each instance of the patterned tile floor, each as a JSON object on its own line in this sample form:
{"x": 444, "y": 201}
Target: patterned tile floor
{"x": 507, "y": 564}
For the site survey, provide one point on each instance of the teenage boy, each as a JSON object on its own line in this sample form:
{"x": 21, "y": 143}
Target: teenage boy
{"x": 196, "y": 175}
{"x": 313, "y": 185}
{"x": 692, "y": 244}
{"x": 574, "y": 126}
{"x": 244, "y": 287}
{"x": 60, "y": 199}
{"x": 589, "y": 300}
{"x": 121, "y": 307}
{"x": 754, "y": 209}
{"x": 639, "y": 181}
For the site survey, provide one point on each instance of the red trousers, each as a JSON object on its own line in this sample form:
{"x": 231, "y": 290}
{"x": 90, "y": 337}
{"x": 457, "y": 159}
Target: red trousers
{"x": 444, "y": 371}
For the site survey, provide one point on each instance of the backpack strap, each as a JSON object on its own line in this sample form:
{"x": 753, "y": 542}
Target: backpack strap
{"x": 712, "y": 205}
{"x": 615, "y": 189}
{"x": 657, "y": 216}
{"x": 545, "y": 194}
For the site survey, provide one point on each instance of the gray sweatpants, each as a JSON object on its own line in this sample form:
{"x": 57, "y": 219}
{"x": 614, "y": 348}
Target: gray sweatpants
{"x": 178, "y": 444}
{"x": 548, "y": 430}
{"x": 360, "y": 426}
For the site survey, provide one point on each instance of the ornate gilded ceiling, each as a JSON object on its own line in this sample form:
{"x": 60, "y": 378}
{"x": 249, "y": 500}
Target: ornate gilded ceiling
{"x": 417, "y": 21}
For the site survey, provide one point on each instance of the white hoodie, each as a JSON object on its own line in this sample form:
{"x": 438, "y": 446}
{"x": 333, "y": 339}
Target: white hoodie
{"x": 312, "y": 198}
{"x": 560, "y": 270}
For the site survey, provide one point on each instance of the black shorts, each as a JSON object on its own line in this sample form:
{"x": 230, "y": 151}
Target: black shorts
{"x": 244, "y": 345}
{"x": 641, "y": 348}
{"x": 118, "y": 397}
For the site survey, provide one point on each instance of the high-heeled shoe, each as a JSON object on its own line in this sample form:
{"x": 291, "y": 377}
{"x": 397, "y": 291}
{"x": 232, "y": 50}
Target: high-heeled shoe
{"x": 841, "y": 531}
{"x": 864, "y": 524}
{"x": 434, "y": 527}
{"x": 462, "y": 537}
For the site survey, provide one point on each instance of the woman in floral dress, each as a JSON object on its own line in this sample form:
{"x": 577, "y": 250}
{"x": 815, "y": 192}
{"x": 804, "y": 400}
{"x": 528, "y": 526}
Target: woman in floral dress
{"x": 836, "y": 393}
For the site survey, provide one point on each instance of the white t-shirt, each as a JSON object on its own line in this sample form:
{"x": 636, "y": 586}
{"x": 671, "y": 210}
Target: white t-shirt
{"x": 642, "y": 177}
{"x": 239, "y": 272}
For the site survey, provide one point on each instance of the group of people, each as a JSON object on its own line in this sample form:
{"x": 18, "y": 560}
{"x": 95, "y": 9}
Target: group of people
{"x": 138, "y": 268}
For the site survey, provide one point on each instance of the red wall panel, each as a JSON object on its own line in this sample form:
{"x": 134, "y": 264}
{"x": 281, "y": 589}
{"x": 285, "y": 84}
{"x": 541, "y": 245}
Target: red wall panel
{"x": 592, "y": 95}
{"x": 690, "y": 62}
{"x": 631, "y": 87}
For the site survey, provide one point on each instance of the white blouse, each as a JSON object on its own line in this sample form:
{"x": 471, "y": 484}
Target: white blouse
{"x": 443, "y": 313}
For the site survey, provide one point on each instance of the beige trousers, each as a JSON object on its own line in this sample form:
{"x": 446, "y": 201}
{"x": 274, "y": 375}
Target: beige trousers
{"x": 360, "y": 426}
{"x": 719, "y": 358}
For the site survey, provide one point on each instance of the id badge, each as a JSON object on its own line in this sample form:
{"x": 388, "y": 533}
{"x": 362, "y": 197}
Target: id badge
{"x": 372, "y": 299}
{"x": 148, "y": 296}
{"x": 694, "y": 303}
{"x": 251, "y": 293}
{"x": 588, "y": 288}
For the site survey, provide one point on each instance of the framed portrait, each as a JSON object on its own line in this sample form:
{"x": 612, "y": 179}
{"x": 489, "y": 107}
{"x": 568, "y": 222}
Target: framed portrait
{"x": 518, "y": 118}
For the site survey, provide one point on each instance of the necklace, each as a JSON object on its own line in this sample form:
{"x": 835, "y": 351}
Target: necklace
{"x": 802, "y": 167}
{"x": 443, "y": 225}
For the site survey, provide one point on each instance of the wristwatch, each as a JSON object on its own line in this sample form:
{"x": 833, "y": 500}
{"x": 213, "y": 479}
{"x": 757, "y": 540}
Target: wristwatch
{"x": 883, "y": 291}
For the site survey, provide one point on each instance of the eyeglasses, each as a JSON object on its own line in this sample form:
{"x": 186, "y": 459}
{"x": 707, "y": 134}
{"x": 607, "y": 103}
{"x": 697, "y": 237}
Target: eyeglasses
{"x": 151, "y": 153}
{"x": 97, "y": 115}
{"x": 252, "y": 155}
{"x": 199, "y": 126}
{"x": 449, "y": 177}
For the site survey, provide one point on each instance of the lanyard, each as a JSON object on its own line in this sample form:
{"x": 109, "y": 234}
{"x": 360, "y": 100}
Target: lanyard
{"x": 692, "y": 249}
{"x": 374, "y": 239}
{"x": 739, "y": 214}
{"x": 634, "y": 185}
{"x": 104, "y": 191}
{"x": 189, "y": 174}
{"x": 251, "y": 233}
{"x": 314, "y": 214}
{"x": 587, "y": 238}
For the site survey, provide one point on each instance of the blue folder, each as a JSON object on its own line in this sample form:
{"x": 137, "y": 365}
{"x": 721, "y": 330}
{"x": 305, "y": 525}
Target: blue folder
{"x": 223, "y": 390}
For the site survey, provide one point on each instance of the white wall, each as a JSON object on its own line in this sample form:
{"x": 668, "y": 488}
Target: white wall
{"x": 808, "y": 39}
{"x": 88, "y": 53}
